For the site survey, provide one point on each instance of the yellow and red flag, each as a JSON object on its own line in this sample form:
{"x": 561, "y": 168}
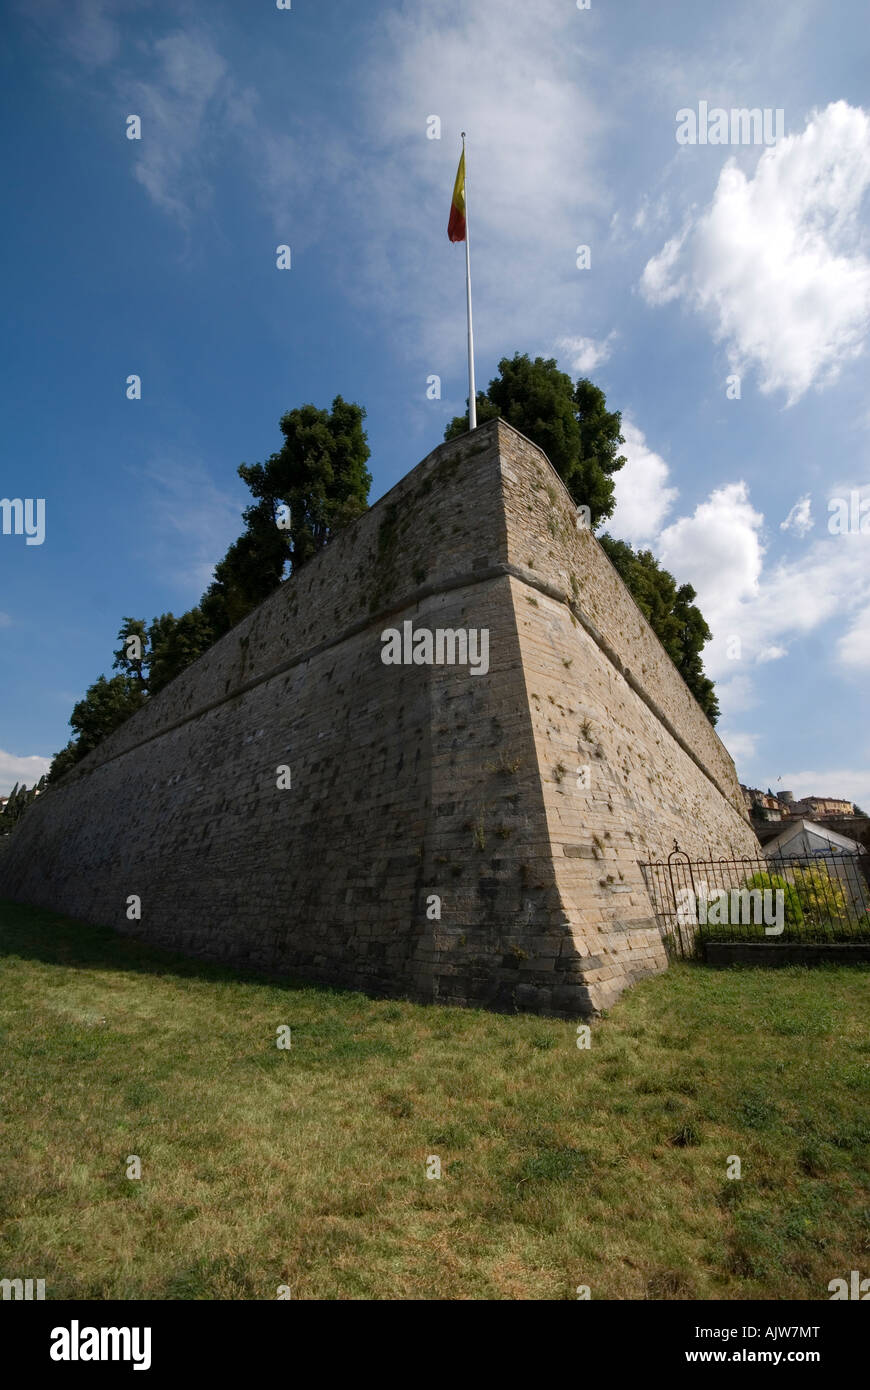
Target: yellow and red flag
{"x": 456, "y": 225}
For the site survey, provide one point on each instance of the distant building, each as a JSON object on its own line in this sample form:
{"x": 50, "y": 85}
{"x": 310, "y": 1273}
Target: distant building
{"x": 823, "y": 806}
{"x": 767, "y": 807}
{"x": 763, "y": 806}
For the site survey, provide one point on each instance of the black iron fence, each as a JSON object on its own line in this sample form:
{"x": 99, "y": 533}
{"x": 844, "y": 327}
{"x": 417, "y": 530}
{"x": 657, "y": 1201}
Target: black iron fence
{"x": 804, "y": 898}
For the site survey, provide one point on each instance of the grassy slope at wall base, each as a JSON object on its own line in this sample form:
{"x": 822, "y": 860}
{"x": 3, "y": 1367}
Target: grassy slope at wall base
{"x": 605, "y": 1166}
{"x": 770, "y": 954}
{"x": 467, "y": 837}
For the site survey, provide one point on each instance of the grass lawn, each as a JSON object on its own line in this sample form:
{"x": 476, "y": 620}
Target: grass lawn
{"x": 307, "y": 1167}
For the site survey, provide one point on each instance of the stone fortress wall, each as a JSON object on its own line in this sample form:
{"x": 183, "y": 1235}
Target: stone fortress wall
{"x": 523, "y": 800}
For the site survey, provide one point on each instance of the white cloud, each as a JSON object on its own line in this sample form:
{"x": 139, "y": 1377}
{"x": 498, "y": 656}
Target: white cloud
{"x": 737, "y": 48}
{"x": 88, "y": 29}
{"x": 736, "y": 691}
{"x": 777, "y": 261}
{"x": 720, "y": 550}
{"x": 26, "y": 770}
{"x": 583, "y": 355}
{"x": 800, "y": 518}
{"x": 535, "y": 187}
{"x": 658, "y": 283}
{"x": 650, "y": 215}
{"x": 741, "y": 745}
{"x": 507, "y": 73}
{"x": 178, "y": 106}
{"x": 178, "y": 84}
{"x": 825, "y": 587}
{"x": 192, "y": 521}
{"x": 853, "y": 648}
{"x": 5, "y": 620}
{"x": 643, "y": 497}
{"x": 97, "y": 38}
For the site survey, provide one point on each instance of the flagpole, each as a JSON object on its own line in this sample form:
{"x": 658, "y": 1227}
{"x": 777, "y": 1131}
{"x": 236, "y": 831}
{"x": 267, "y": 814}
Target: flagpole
{"x": 472, "y": 394}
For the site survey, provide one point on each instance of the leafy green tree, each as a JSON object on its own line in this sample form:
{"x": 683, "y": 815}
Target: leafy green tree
{"x": 315, "y": 484}
{"x": 319, "y": 475}
{"x": 154, "y": 656}
{"x": 571, "y": 423}
{"x": 11, "y": 811}
{"x": 131, "y": 657}
{"x": 251, "y": 570}
{"x": 175, "y": 643}
{"x": 19, "y": 800}
{"x": 163, "y": 649}
{"x": 672, "y": 614}
{"x": 106, "y": 705}
{"x": 64, "y": 760}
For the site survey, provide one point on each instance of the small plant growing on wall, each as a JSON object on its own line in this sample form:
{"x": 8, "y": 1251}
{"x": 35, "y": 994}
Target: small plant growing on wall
{"x": 478, "y": 831}
{"x": 505, "y": 766}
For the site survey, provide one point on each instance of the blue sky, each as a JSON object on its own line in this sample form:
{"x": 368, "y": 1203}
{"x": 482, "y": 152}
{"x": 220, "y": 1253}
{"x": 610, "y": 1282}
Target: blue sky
{"x": 308, "y": 127}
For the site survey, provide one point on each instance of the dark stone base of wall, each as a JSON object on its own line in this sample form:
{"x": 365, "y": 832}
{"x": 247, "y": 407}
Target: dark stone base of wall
{"x": 786, "y": 953}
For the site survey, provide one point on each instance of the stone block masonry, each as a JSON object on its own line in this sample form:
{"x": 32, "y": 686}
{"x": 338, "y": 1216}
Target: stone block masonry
{"x": 464, "y": 837}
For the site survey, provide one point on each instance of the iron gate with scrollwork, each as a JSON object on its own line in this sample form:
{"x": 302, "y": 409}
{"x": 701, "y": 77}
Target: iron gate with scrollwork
{"x": 821, "y": 898}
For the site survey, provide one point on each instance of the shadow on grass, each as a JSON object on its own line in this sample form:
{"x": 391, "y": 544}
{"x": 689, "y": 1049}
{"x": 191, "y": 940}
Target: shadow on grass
{"x": 35, "y": 933}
